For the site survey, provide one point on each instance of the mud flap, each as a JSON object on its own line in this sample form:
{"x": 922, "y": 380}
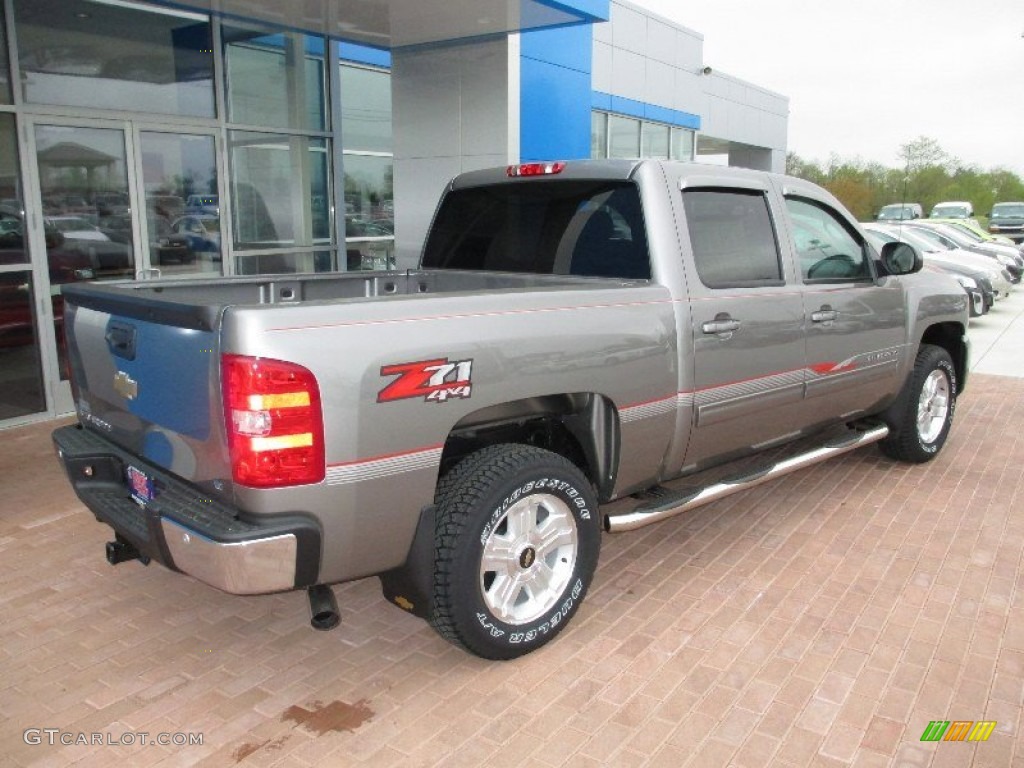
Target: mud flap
{"x": 411, "y": 586}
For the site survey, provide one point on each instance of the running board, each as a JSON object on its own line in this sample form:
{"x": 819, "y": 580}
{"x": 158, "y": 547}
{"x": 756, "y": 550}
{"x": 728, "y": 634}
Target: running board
{"x": 658, "y": 509}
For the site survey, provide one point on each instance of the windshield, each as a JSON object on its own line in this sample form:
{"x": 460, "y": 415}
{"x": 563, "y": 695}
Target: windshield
{"x": 934, "y": 238}
{"x": 1002, "y": 211}
{"x": 949, "y": 212}
{"x": 547, "y": 227}
{"x": 895, "y": 212}
{"x": 967, "y": 232}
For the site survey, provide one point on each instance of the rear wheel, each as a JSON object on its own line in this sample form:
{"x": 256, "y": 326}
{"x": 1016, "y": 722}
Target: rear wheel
{"x": 516, "y": 543}
{"x": 922, "y": 416}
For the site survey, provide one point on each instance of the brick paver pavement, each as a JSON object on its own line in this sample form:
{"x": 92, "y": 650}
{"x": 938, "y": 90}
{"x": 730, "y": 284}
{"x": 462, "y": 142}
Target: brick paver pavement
{"x": 822, "y": 620}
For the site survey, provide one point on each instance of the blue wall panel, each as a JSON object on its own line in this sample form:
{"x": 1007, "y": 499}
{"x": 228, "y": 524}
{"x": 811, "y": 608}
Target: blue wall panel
{"x": 555, "y": 93}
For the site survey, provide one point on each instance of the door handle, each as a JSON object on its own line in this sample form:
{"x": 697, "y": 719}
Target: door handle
{"x": 824, "y": 315}
{"x": 720, "y": 325}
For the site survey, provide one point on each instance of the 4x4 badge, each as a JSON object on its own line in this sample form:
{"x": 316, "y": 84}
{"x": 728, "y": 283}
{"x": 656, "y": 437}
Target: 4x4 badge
{"x": 434, "y": 380}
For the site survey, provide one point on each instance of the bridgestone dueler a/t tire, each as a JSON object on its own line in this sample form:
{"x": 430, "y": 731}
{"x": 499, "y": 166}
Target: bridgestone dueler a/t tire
{"x": 906, "y": 442}
{"x": 532, "y": 516}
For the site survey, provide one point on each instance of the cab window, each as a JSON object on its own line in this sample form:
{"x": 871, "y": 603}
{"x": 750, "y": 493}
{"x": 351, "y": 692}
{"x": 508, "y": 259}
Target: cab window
{"x": 829, "y": 249}
{"x": 732, "y": 237}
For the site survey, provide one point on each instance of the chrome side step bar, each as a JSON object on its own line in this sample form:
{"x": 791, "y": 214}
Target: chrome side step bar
{"x": 684, "y": 501}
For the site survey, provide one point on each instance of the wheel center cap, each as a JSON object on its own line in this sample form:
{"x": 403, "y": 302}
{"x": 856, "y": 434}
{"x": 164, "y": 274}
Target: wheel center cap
{"x": 527, "y": 558}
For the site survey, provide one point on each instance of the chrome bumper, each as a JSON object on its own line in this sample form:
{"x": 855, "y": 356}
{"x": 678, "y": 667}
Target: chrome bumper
{"x": 185, "y": 528}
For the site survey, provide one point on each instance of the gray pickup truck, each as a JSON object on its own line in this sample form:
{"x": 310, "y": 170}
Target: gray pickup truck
{"x": 576, "y": 333}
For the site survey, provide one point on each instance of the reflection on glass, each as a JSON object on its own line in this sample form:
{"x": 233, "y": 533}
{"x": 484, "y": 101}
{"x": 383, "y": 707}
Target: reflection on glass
{"x": 285, "y": 263}
{"x": 280, "y": 190}
{"x": 12, "y": 245}
{"x": 369, "y": 212}
{"x": 182, "y": 208}
{"x": 370, "y": 254}
{"x": 623, "y": 137}
{"x": 21, "y": 377}
{"x": 275, "y": 80}
{"x": 655, "y": 141}
{"x": 115, "y": 56}
{"x": 366, "y": 109}
{"x": 84, "y": 185}
{"x": 369, "y": 196}
{"x": 5, "y": 80}
{"x": 598, "y": 135}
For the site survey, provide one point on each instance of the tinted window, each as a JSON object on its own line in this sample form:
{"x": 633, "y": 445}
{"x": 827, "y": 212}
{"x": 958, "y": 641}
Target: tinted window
{"x": 732, "y": 237}
{"x": 827, "y": 247}
{"x": 554, "y": 227}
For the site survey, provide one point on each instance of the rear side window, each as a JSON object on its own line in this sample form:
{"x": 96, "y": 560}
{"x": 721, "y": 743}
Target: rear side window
{"x": 550, "y": 227}
{"x": 828, "y": 248}
{"x": 732, "y": 237}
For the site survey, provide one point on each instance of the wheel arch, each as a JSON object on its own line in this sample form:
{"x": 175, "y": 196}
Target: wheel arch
{"x": 950, "y": 336}
{"x": 581, "y": 426}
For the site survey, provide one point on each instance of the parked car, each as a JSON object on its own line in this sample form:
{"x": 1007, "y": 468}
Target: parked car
{"x": 953, "y": 209}
{"x": 202, "y": 233}
{"x": 1007, "y": 256}
{"x": 900, "y": 212}
{"x": 982, "y": 282}
{"x": 975, "y": 231}
{"x": 109, "y": 258}
{"x": 1007, "y": 219}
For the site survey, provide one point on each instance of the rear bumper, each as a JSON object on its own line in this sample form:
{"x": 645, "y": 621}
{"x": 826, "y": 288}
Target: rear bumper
{"x": 186, "y": 529}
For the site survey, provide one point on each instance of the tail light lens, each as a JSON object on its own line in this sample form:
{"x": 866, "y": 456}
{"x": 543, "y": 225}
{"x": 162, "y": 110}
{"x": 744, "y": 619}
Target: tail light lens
{"x": 274, "y": 422}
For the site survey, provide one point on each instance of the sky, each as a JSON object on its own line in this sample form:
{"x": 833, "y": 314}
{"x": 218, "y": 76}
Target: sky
{"x": 864, "y": 78}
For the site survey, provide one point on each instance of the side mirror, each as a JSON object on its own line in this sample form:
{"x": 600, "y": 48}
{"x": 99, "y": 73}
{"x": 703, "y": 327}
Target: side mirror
{"x": 901, "y": 259}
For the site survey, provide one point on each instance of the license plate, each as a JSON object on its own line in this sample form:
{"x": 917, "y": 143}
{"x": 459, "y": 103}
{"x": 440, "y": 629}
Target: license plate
{"x": 141, "y": 485}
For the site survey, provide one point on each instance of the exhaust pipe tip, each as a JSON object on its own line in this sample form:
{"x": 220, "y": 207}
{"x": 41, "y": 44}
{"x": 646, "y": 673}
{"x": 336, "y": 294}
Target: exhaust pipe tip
{"x": 323, "y": 608}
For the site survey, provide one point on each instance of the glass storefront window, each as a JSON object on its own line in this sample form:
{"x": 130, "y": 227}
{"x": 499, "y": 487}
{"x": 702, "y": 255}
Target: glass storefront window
{"x": 5, "y": 78}
{"x": 365, "y": 109}
{"x": 655, "y": 141}
{"x": 285, "y": 263}
{"x": 598, "y": 135}
{"x": 275, "y": 80}
{"x": 281, "y": 192}
{"x": 369, "y": 212}
{"x": 119, "y": 55}
{"x": 179, "y": 172}
{"x": 83, "y": 180}
{"x": 21, "y": 378}
{"x": 682, "y": 144}
{"x": 624, "y": 137}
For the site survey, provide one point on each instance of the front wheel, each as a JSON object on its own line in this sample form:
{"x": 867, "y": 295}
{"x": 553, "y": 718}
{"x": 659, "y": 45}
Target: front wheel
{"x": 922, "y": 416}
{"x": 517, "y": 539}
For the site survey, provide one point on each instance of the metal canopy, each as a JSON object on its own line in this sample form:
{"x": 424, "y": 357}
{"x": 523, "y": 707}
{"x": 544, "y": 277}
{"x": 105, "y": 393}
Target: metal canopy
{"x": 400, "y": 23}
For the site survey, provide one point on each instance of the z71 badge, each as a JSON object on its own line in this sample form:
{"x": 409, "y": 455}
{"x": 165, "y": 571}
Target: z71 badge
{"x": 435, "y": 381}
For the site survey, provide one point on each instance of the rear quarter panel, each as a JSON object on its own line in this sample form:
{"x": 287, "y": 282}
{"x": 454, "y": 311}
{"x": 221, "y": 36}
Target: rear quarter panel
{"x": 383, "y": 457}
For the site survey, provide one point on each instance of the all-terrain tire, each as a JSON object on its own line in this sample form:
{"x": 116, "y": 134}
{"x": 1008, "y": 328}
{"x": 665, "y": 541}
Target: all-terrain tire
{"x": 920, "y": 419}
{"x": 517, "y": 538}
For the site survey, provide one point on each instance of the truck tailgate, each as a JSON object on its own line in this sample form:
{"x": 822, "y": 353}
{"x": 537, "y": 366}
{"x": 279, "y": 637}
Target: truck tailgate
{"x": 150, "y": 388}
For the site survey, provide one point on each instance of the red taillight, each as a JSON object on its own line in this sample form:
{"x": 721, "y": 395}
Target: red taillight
{"x": 535, "y": 169}
{"x": 274, "y": 421}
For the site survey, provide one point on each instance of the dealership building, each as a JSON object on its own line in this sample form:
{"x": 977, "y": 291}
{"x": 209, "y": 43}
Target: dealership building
{"x": 242, "y": 137}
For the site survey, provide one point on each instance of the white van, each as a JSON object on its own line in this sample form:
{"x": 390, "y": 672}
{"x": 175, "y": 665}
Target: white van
{"x": 900, "y": 212}
{"x": 953, "y": 209}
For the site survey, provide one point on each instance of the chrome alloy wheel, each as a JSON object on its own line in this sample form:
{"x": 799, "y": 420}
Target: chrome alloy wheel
{"x": 933, "y": 406}
{"x": 528, "y": 559}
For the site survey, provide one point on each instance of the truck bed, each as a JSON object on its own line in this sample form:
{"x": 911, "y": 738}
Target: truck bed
{"x": 196, "y": 304}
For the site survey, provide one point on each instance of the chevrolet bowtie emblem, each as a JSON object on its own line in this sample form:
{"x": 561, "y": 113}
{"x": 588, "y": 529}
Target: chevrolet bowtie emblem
{"x": 126, "y": 386}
